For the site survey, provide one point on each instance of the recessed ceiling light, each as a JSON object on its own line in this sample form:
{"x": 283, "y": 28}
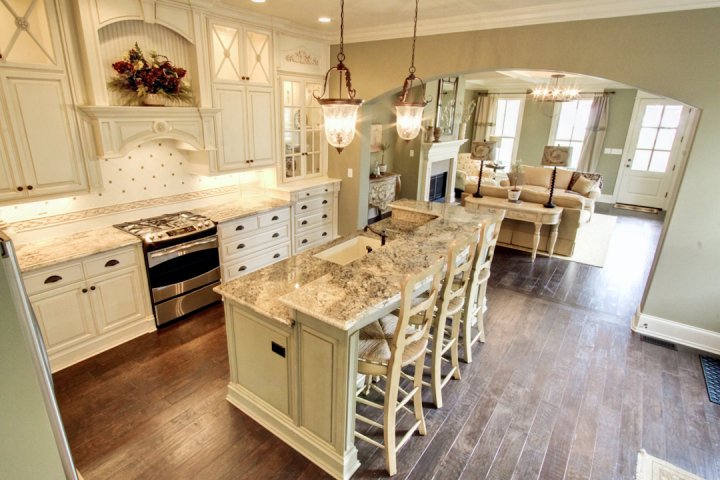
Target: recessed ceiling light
{"x": 257, "y": 1}
{"x": 324, "y": 19}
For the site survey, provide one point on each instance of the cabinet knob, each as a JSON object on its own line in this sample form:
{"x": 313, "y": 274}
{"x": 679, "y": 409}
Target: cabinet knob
{"x": 324, "y": 202}
{"x": 324, "y": 234}
{"x": 307, "y": 194}
{"x": 84, "y": 290}
{"x": 304, "y": 222}
{"x": 304, "y": 240}
{"x": 326, "y": 189}
{"x": 275, "y": 217}
{"x": 277, "y": 255}
{"x": 242, "y": 245}
{"x": 275, "y": 235}
{"x": 29, "y": 187}
{"x": 92, "y": 288}
{"x": 20, "y": 189}
{"x": 304, "y": 207}
{"x": 325, "y": 215}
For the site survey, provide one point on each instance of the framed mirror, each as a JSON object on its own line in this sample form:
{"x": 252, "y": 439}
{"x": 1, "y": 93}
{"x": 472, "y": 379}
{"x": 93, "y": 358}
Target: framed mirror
{"x": 446, "y": 104}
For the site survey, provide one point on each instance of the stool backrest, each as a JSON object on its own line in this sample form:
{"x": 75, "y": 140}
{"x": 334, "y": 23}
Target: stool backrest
{"x": 489, "y": 233}
{"x": 461, "y": 255}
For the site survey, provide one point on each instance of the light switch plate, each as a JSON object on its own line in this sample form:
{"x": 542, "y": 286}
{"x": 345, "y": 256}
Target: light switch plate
{"x": 412, "y": 153}
{"x": 350, "y": 173}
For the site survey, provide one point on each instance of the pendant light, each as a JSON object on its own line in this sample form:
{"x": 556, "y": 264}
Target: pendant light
{"x": 409, "y": 114}
{"x": 340, "y": 114}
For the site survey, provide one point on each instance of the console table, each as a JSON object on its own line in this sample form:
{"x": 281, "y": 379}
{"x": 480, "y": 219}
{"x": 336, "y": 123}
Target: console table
{"x": 383, "y": 190}
{"x": 524, "y": 211}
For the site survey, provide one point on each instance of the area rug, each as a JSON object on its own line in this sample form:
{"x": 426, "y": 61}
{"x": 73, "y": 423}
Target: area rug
{"x": 593, "y": 241}
{"x": 711, "y": 371}
{"x": 651, "y": 468}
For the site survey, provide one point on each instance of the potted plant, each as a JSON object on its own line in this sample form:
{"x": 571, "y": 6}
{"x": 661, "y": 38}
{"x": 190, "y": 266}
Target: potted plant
{"x": 151, "y": 82}
{"x": 382, "y": 167}
{"x": 515, "y": 177}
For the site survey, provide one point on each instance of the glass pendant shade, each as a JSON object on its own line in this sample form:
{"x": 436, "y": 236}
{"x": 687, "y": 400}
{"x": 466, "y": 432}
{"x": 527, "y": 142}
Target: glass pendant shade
{"x": 409, "y": 119}
{"x": 340, "y": 117}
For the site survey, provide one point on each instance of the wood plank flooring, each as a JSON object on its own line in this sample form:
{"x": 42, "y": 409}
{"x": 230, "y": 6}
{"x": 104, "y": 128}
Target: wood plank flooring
{"x": 561, "y": 389}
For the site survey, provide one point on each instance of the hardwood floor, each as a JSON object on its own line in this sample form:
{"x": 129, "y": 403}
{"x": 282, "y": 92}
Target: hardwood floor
{"x": 561, "y": 389}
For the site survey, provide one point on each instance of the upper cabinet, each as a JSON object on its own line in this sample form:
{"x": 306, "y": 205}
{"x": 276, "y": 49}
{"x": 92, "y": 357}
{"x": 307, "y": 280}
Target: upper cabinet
{"x": 240, "y": 54}
{"x": 303, "y": 142}
{"x": 41, "y": 151}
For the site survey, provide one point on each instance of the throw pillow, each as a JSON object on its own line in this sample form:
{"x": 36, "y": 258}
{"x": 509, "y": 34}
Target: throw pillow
{"x": 583, "y": 185}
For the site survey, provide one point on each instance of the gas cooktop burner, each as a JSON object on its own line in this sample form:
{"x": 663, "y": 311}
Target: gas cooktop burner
{"x": 167, "y": 227}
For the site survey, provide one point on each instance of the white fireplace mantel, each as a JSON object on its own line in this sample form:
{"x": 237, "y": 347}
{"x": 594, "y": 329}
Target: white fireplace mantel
{"x": 438, "y": 152}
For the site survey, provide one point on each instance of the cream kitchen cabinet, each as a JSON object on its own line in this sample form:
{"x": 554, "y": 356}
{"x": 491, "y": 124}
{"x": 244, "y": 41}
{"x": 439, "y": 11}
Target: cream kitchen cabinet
{"x": 240, "y": 54}
{"x": 86, "y": 306}
{"x": 250, "y": 243}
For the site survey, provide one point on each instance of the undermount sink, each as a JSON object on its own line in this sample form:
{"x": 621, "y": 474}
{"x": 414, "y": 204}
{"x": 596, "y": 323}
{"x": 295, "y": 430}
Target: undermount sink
{"x": 349, "y": 250}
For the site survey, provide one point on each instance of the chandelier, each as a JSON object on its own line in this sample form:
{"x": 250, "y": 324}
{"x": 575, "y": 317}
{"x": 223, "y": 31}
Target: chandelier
{"x": 340, "y": 114}
{"x": 554, "y": 92}
{"x": 409, "y": 114}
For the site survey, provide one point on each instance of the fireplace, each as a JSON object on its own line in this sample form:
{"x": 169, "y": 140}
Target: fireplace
{"x": 438, "y": 164}
{"x": 438, "y": 184}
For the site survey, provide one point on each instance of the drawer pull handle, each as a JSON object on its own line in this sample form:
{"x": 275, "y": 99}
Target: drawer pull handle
{"x": 243, "y": 268}
{"x": 276, "y": 235}
{"x": 324, "y": 234}
{"x": 277, "y": 255}
{"x": 304, "y": 207}
{"x": 275, "y": 217}
{"x": 325, "y": 215}
{"x": 304, "y": 241}
{"x": 242, "y": 245}
{"x": 239, "y": 227}
{"x": 304, "y": 222}
{"x": 324, "y": 202}
{"x": 111, "y": 263}
{"x": 279, "y": 349}
{"x": 53, "y": 279}
{"x": 84, "y": 290}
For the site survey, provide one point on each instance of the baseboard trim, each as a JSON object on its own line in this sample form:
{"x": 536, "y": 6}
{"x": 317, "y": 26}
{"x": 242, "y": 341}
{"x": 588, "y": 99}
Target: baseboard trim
{"x": 675, "y": 332}
{"x": 84, "y": 350}
{"x": 606, "y": 198}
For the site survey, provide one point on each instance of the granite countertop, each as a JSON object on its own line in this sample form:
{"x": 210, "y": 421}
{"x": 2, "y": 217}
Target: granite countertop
{"x": 45, "y": 253}
{"x": 242, "y": 207}
{"x": 342, "y": 295}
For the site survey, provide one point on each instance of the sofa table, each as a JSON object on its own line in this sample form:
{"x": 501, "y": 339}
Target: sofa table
{"x": 524, "y": 211}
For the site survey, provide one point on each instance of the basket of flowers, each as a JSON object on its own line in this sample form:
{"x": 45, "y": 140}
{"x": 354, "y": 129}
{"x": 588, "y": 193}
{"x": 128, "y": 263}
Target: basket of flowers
{"x": 149, "y": 81}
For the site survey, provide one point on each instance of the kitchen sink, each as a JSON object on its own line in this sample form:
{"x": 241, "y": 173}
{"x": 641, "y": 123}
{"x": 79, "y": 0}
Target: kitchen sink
{"x": 349, "y": 250}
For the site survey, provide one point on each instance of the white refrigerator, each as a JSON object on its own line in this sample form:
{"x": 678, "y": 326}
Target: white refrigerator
{"x": 32, "y": 443}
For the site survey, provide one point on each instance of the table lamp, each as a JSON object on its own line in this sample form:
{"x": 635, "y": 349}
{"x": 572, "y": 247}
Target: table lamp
{"x": 483, "y": 151}
{"x": 555, "y": 156}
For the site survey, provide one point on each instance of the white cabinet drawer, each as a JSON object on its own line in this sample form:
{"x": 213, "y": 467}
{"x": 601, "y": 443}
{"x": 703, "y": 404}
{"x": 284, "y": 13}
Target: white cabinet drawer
{"x": 311, "y": 192}
{"x": 273, "y": 218}
{"x": 53, "y": 277}
{"x": 249, "y": 243}
{"x": 313, "y": 238}
{"x": 313, "y": 220}
{"x": 109, "y": 263}
{"x": 313, "y": 203}
{"x": 250, "y": 264}
{"x": 235, "y": 227}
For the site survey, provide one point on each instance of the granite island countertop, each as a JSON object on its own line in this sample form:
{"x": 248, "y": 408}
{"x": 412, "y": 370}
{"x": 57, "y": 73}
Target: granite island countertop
{"x": 342, "y": 295}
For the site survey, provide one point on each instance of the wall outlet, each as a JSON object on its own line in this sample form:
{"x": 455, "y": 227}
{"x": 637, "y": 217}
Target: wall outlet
{"x": 350, "y": 173}
{"x": 412, "y": 153}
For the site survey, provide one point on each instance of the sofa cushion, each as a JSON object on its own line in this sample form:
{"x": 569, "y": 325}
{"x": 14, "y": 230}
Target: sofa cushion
{"x": 597, "y": 177}
{"x": 538, "y": 176}
{"x": 562, "y": 178}
{"x": 583, "y": 185}
{"x": 468, "y": 165}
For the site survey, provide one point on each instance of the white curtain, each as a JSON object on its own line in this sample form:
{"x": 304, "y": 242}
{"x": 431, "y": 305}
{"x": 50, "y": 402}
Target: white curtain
{"x": 484, "y": 116}
{"x": 595, "y": 134}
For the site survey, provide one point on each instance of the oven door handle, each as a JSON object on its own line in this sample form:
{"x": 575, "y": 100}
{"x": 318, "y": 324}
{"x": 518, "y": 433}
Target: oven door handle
{"x": 156, "y": 258}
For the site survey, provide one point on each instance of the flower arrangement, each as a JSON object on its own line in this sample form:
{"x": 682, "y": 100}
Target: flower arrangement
{"x": 515, "y": 175}
{"x": 138, "y": 77}
{"x": 468, "y": 111}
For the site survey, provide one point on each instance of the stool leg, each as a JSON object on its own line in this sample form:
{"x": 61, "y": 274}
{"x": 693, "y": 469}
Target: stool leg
{"x": 436, "y": 361}
{"x": 417, "y": 398}
{"x": 390, "y": 421}
{"x": 481, "y": 312}
{"x": 454, "y": 350}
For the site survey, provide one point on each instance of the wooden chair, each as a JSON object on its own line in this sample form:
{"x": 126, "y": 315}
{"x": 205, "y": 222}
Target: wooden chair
{"x": 382, "y": 356}
{"x": 461, "y": 256}
{"x": 474, "y": 313}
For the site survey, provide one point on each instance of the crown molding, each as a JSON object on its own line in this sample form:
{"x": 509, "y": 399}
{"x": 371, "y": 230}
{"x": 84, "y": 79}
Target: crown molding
{"x": 552, "y": 13}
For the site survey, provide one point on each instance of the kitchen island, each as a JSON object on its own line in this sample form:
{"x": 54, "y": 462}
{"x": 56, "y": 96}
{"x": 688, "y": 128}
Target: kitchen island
{"x": 293, "y": 329}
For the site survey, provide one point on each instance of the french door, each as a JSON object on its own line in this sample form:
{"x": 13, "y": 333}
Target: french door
{"x": 653, "y": 150}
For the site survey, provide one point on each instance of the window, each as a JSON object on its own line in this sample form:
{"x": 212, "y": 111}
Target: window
{"x": 656, "y": 138}
{"x": 508, "y": 116}
{"x": 569, "y": 125}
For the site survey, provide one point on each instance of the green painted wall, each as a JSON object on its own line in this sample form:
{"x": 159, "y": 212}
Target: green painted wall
{"x": 670, "y": 54}
{"x": 534, "y": 132}
{"x": 621, "y": 108}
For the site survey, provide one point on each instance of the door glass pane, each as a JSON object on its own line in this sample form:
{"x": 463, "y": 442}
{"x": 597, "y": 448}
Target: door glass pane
{"x": 671, "y": 117}
{"x": 646, "y": 138}
{"x": 659, "y": 161}
{"x": 641, "y": 160}
{"x": 653, "y": 114}
{"x": 665, "y": 139}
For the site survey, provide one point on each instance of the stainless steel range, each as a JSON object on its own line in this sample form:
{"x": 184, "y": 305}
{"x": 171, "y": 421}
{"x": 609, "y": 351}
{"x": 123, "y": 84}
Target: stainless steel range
{"x": 183, "y": 265}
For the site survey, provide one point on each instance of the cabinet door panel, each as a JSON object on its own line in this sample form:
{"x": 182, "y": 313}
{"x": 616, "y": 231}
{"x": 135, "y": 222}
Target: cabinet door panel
{"x": 45, "y": 134}
{"x": 9, "y": 182}
{"x": 257, "y": 57}
{"x": 117, "y": 299}
{"x": 261, "y": 127}
{"x": 64, "y": 316}
{"x": 232, "y": 146}
{"x": 225, "y": 45}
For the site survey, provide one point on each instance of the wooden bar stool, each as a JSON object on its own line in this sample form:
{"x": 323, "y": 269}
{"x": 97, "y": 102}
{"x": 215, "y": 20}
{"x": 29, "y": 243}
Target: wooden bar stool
{"x": 382, "y": 356}
{"x": 473, "y": 316}
{"x": 461, "y": 256}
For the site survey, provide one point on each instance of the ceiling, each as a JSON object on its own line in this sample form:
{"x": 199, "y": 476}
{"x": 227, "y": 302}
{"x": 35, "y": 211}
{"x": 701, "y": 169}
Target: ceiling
{"x": 380, "y": 19}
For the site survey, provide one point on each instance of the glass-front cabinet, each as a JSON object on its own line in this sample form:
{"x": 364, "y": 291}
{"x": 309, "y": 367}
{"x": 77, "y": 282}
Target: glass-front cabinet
{"x": 303, "y": 143}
